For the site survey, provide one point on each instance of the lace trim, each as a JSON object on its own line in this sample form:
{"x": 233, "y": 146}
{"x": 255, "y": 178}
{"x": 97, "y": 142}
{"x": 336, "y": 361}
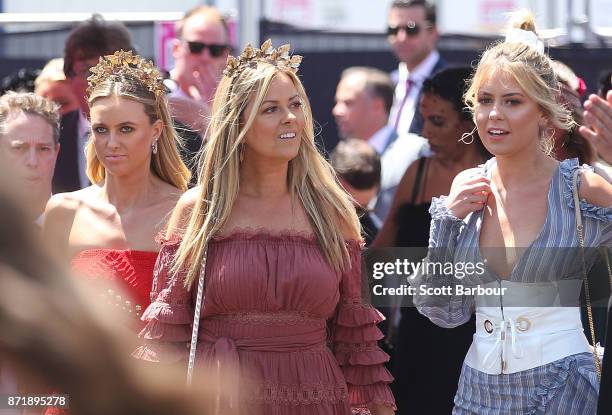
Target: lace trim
{"x": 304, "y": 394}
{"x": 262, "y": 233}
{"x": 262, "y": 318}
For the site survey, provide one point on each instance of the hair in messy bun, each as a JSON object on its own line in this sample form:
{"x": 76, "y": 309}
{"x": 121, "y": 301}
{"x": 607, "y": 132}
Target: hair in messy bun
{"x": 531, "y": 69}
{"x": 524, "y": 20}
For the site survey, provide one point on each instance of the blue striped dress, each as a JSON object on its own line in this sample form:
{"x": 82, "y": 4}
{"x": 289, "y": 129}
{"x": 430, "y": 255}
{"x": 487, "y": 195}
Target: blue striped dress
{"x": 565, "y": 386}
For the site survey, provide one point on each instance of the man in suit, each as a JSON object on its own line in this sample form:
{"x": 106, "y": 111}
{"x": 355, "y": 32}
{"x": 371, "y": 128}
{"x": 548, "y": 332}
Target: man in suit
{"x": 363, "y": 99}
{"x": 413, "y": 36}
{"x": 85, "y": 44}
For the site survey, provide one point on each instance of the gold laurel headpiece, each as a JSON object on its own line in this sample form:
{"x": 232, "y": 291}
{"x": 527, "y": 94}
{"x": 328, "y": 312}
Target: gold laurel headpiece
{"x": 250, "y": 56}
{"x": 126, "y": 63}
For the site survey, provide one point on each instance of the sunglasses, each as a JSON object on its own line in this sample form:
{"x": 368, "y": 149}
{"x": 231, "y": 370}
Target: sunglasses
{"x": 411, "y": 29}
{"x": 215, "y": 50}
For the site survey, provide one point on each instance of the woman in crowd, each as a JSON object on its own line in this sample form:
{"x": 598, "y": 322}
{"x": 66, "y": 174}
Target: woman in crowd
{"x": 446, "y": 121}
{"x": 510, "y": 217}
{"x": 275, "y": 241}
{"x": 108, "y": 229}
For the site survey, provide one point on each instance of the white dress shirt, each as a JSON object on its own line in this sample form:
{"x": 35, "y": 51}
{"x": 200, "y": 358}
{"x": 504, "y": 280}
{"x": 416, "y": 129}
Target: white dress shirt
{"x": 84, "y": 130}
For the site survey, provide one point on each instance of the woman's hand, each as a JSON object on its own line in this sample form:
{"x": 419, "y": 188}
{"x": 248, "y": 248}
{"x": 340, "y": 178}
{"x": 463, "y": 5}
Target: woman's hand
{"x": 598, "y": 125}
{"x": 468, "y": 194}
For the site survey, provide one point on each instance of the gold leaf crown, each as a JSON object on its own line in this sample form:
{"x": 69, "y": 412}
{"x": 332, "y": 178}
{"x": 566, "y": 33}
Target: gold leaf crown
{"x": 126, "y": 63}
{"x": 250, "y": 56}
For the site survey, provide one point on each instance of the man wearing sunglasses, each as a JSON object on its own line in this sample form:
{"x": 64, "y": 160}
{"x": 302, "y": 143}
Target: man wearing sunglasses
{"x": 413, "y": 36}
{"x": 200, "y": 52}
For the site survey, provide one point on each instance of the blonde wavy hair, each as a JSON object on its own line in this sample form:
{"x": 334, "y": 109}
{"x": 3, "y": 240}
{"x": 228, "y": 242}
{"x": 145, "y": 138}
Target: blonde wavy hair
{"x": 167, "y": 163}
{"x": 311, "y": 180}
{"x": 532, "y": 70}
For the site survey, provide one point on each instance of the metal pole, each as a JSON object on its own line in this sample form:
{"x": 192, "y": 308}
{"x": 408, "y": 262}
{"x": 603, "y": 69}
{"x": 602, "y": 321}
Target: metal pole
{"x": 248, "y": 23}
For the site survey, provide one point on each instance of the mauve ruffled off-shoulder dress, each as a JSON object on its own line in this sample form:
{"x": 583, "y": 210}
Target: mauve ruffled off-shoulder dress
{"x": 302, "y": 338}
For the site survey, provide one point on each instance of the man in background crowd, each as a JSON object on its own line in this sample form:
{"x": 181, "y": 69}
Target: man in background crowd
{"x": 363, "y": 100}
{"x": 29, "y": 144}
{"x": 357, "y": 165}
{"x": 413, "y": 36}
{"x": 200, "y": 53}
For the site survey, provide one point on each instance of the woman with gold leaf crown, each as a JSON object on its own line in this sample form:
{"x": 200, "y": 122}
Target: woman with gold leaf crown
{"x": 108, "y": 229}
{"x": 273, "y": 241}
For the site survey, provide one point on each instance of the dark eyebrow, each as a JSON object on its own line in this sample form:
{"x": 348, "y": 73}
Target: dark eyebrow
{"x": 273, "y": 101}
{"x": 505, "y": 95}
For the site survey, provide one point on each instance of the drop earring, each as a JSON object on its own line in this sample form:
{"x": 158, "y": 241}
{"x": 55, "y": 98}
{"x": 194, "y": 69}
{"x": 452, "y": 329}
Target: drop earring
{"x": 154, "y": 146}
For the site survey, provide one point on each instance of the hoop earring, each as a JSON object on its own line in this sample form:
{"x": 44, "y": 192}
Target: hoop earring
{"x": 465, "y": 136}
{"x": 154, "y": 146}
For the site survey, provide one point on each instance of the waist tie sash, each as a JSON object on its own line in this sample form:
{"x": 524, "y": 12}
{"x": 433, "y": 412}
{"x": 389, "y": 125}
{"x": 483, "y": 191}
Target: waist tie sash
{"x": 223, "y": 361}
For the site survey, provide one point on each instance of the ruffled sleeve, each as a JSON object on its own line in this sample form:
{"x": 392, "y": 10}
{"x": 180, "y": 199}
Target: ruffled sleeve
{"x": 568, "y": 167}
{"x": 168, "y": 318}
{"x": 443, "y": 310}
{"x": 355, "y": 341}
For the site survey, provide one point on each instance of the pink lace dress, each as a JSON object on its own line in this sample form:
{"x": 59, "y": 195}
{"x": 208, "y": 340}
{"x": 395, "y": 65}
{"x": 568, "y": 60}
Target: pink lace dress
{"x": 302, "y": 338}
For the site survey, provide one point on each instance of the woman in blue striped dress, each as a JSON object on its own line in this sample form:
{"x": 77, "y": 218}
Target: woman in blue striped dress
{"x": 513, "y": 220}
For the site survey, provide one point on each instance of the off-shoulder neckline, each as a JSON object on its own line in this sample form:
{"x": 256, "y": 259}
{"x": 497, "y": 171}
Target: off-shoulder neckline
{"x": 249, "y": 233}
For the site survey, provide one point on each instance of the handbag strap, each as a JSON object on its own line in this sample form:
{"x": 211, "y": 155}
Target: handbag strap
{"x": 587, "y": 293}
{"x": 196, "y": 321}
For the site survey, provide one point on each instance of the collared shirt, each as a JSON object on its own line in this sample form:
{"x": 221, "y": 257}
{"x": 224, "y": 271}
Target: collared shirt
{"x": 84, "y": 130}
{"x": 380, "y": 139}
{"x": 417, "y": 76}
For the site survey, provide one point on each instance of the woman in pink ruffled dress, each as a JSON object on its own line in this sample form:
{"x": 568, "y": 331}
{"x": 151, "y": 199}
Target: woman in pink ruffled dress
{"x": 274, "y": 242}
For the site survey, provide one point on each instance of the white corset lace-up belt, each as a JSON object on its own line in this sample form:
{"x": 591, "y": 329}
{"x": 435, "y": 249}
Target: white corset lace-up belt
{"x": 514, "y": 339}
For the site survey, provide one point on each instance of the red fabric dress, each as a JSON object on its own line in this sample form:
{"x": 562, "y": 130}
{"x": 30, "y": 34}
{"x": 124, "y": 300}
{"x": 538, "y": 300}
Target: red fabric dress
{"x": 302, "y": 338}
{"x": 129, "y": 271}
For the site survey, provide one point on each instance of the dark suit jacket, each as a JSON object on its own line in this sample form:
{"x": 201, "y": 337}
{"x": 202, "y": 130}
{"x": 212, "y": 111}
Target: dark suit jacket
{"x": 417, "y": 121}
{"x": 66, "y": 176}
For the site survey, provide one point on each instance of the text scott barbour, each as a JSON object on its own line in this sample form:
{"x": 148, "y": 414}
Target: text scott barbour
{"x": 424, "y": 289}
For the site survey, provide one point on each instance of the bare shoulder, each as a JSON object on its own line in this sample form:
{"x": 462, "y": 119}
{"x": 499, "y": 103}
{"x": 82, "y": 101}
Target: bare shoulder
{"x": 595, "y": 189}
{"x": 59, "y": 217}
{"x": 65, "y": 205}
{"x": 182, "y": 212}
